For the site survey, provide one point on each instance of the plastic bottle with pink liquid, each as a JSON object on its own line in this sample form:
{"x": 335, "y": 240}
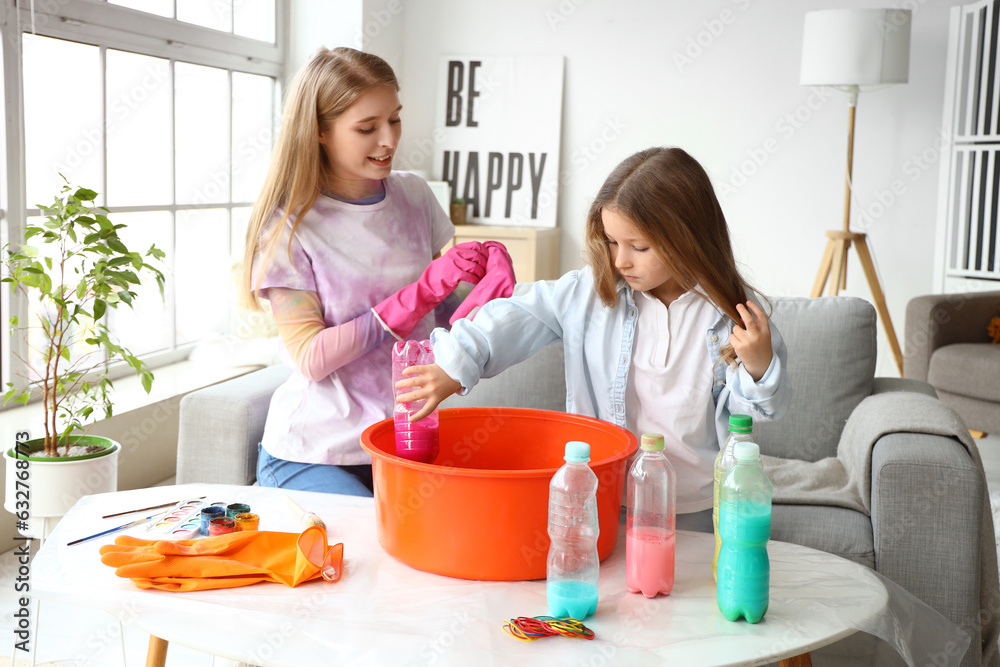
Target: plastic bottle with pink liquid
{"x": 650, "y": 521}
{"x": 416, "y": 441}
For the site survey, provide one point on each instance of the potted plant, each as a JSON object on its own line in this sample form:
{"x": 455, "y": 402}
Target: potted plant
{"x": 459, "y": 211}
{"x": 72, "y": 267}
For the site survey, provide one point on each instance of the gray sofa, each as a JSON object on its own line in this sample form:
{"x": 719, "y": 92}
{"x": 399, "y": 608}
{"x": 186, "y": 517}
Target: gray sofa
{"x": 831, "y": 361}
{"x": 947, "y": 346}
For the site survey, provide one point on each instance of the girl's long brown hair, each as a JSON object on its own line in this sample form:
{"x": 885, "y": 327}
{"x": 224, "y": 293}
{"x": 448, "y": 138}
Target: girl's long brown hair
{"x": 320, "y": 92}
{"x": 669, "y": 198}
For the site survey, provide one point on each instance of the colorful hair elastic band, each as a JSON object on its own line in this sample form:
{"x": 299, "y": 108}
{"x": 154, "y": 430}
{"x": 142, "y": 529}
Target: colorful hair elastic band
{"x": 528, "y": 629}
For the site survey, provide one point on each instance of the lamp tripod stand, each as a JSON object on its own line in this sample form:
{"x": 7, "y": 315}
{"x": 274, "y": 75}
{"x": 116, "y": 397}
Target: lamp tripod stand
{"x": 839, "y": 243}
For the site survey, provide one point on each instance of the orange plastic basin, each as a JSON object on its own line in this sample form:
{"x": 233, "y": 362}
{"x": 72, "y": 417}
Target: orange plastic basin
{"x": 480, "y": 511}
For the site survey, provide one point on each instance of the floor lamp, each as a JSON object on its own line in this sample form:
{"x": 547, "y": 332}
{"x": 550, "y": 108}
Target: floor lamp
{"x": 849, "y": 49}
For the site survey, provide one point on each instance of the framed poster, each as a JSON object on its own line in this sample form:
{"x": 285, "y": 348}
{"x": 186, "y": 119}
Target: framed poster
{"x": 497, "y": 136}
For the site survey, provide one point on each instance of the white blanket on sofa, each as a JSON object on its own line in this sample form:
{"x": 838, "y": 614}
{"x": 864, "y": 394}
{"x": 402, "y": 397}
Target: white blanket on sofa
{"x": 845, "y": 480}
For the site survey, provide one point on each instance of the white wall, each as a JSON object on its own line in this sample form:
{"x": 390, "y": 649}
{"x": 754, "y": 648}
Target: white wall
{"x": 720, "y": 79}
{"x": 316, "y": 23}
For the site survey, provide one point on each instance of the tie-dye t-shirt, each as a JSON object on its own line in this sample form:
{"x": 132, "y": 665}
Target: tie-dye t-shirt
{"x": 353, "y": 256}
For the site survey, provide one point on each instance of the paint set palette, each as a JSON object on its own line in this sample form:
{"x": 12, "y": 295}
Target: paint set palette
{"x": 182, "y": 522}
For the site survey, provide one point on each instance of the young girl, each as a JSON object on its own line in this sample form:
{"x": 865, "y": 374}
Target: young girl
{"x": 659, "y": 331}
{"x": 342, "y": 248}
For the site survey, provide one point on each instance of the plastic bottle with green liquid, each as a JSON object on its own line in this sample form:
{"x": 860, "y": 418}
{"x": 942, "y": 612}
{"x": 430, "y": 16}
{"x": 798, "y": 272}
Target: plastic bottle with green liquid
{"x": 740, "y": 429}
{"x": 743, "y": 587}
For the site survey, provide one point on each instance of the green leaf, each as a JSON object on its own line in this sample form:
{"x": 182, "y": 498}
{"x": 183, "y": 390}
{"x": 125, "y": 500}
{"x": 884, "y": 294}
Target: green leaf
{"x": 83, "y": 194}
{"x": 29, "y": 250}
{"x": 81, "y": 289}
{"x": 130, "y": 277}
{"x": 64, "y": 353}
{"x": 117, "y": 245}
{"x": 99, "y": 308}
{"x": 147, "y": 381}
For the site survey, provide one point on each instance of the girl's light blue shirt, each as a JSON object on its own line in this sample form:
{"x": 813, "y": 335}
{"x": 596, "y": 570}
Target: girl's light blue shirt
{"x": 597, "y": 346}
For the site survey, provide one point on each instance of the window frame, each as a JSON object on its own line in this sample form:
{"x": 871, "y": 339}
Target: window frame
{"x": 106, "y": 26}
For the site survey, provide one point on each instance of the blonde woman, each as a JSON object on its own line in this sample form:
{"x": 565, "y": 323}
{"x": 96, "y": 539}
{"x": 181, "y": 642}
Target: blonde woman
{"x": 343, "y": 248}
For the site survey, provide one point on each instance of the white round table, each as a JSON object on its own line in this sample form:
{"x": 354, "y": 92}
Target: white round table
{"x": 383, "y": 612}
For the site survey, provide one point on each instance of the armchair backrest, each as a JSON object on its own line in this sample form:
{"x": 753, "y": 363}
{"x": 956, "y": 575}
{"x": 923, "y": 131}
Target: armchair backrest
{"x": 938, "y": 320}
{"x": 831, "y": 363}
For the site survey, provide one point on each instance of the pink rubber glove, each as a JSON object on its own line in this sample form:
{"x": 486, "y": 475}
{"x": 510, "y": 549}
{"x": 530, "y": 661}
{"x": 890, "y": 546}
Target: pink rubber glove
{"x": 401, "y": 312}
{"x": 498, "y": 282}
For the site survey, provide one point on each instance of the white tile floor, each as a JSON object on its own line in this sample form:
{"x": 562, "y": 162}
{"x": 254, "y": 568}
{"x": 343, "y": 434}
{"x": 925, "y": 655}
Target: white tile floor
{"x": 70, "y": 635}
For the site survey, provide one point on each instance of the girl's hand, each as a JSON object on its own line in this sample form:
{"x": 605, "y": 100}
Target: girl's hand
{"x": 752, "y": 341}
{"x": 431, "y": 383}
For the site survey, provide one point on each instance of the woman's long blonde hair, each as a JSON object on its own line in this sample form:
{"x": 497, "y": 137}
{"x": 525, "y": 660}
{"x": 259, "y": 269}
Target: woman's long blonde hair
{"x": 320, "y": 92}
{"x": 669, "y": 198}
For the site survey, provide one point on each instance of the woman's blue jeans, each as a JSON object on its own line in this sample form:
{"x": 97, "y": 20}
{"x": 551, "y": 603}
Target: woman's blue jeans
{"x": 355, "y": 480}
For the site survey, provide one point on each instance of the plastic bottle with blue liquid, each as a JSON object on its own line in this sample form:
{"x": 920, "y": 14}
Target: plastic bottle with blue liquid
{"x": 744, "y": 571}
{"x": 573, "y": 565}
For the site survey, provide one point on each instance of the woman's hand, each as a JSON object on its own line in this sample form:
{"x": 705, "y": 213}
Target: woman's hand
{"x": 431, "y": 383}
{"x": 752, "y": 341}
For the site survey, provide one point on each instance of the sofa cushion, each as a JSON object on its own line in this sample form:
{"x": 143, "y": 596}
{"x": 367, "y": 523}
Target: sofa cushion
{"x": 836, "y": 530}
{"x": 967, "y": 369}
{"x": 831, "y": 363}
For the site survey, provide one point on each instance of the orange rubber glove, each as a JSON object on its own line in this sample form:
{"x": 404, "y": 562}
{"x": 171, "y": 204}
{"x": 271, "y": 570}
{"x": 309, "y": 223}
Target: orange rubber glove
{"x": 226, "y": 561}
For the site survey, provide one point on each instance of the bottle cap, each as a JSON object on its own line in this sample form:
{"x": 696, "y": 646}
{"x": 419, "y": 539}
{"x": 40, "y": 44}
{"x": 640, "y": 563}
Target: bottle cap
{"x": 740, "y": 423}
{"x": 651, "y": 442}
{"x": 746, "y": 451}
{"x": 577, "y": 452}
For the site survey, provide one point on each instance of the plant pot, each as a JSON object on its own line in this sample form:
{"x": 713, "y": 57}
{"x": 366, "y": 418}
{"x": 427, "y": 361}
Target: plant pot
{"x": 55, "y": 484}
{"x": 459, "y": 213}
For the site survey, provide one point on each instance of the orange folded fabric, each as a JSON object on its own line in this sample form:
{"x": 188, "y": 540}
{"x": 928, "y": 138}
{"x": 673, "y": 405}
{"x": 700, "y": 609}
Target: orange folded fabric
{"x": 226, "y": 561}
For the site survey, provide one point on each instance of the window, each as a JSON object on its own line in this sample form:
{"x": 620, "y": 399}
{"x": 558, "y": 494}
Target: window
{"x": 970, "y": 150}
{"x": 167, "y": 109}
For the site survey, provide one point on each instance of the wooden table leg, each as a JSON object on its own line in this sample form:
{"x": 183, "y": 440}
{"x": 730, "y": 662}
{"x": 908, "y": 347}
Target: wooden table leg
{"x": 156, "y": 654}
{"x": 798, "y": 661}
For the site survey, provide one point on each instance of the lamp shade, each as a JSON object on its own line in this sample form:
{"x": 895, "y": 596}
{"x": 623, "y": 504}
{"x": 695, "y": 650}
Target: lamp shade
{"x": 844, "y": 47}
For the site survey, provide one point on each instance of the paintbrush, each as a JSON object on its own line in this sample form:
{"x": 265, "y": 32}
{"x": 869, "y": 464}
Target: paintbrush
{"x": 145, "y": 509}
{"x": 114, "y": 530}
{"x": 308, "y": 518}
